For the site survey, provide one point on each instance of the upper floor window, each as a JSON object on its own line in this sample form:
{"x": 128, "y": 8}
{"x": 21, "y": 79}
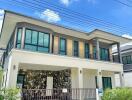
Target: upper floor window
{"x": 104, "y": 54}
{"x": 62, "y": 47}
{"x": 94, "y": 53}
{"x": 127, "y": 59}
{"x": 76, "y": 48}
{"x": 30, "y": 38}
{"x": 36, "y": 41}
{"x": 43, "y": 42}
{"x": 18, "y": 38}
{"x": 86, "y": 50}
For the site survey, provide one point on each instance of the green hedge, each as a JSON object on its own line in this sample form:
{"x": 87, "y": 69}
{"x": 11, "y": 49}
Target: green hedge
{"x": 118, "y": 94}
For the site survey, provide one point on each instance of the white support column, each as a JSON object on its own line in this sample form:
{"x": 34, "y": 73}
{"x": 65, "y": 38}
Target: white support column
{"x": 121, "y": 75}
{"x": 80, "y": 77}
{"x": 11, "y": 74}
{"x": 51, "y": 40}
{"x": 80, "y": 82}
{"x": 77, "y": 82}
{"x": 99, "y": 78}
{"x": 99, "y": 81}
{"x": 15, "y": 37}
{"x": 110, "y": 53}
{"x": 119, "y": 52}
{"x": 23, "y": 37}
{"x": 97, "y": 49}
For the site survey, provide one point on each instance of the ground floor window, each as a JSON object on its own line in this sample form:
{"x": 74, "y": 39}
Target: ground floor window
{"x": 106, "y": 81}
{"x": 20, "y": 80}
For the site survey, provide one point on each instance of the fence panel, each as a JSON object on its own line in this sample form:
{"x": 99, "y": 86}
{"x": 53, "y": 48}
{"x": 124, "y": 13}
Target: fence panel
{"x": 59, "y": 94}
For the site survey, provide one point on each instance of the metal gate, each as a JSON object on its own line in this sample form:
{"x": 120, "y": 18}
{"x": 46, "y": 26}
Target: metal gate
{"x": 59, "y": 94}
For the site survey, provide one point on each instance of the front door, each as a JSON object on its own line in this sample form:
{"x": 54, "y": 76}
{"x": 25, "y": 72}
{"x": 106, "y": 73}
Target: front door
{"x": 49, "y": 86}
{"x": 106, "y": 82}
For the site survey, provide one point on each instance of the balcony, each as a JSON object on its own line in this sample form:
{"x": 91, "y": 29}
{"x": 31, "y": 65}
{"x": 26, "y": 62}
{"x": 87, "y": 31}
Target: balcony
{"x": 28, "y": 57}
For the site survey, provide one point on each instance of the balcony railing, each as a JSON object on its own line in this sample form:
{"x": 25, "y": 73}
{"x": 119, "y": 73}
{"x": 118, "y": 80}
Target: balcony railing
{"x": 59, "y": 94}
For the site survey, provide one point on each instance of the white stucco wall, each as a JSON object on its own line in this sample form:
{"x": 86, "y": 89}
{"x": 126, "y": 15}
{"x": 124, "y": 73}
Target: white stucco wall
{"x": 117, "y": 80}
{"x": 89, "y": 78}
{"x": 128, "y": 79}
{"x": 87, "y": 67}
{"x": 20, "y": 56}
{"x": 74, "y": 78}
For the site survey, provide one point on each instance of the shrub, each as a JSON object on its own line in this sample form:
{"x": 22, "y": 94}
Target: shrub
{"x": 9, "y": 94}
{"x": 118, "y": 94}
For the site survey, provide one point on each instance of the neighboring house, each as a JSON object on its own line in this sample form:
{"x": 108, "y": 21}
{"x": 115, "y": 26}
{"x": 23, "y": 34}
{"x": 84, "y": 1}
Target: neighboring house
{"x": 126, "y": 53}
{"x": 41, "y": 55}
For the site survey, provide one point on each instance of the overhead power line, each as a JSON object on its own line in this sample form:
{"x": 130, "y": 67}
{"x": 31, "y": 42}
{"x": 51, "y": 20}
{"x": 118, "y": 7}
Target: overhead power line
{"x": 90, "y": 21}
{"x": 129, "y": 1}
{"x": 41, "y": 9}
{"x": 123, "y": 3}
{"x": 79, "y": 14}
{"x": 75, "y": 13}
{"x": 69, "y": 15}
{"x": 72, "y": 20}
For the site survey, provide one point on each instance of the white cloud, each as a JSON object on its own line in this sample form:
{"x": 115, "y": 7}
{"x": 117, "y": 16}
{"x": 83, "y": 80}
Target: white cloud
{"x": 67, "y": 2}
{"x": 49, "y": 15}
{"x": 92, "y": 1}
{"x": 127, "y": 36}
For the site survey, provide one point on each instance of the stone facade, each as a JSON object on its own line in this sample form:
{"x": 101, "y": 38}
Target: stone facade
{"x": 36, "y": 79}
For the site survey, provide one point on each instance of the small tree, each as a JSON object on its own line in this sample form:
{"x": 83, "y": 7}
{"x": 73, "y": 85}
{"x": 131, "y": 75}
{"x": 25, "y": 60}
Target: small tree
{"x": 11, "y": 94}
{"x": 118, "y": 94}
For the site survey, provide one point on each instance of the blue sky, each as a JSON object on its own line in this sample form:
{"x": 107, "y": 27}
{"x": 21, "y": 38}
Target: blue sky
{"x": 107, "y": 10}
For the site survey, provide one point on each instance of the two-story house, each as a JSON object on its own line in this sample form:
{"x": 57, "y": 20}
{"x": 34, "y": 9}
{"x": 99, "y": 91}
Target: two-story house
{"x": 126, "y": 53}
{"x": 41, "y": 55}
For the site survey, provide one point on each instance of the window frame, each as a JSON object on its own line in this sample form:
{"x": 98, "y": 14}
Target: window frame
{"x": 94, "y": 52}
{"x": 104, "y": 58}
{"x": 64, "y": 51}
{"x": 17, "y": 37}
{"x": 37, "y": 45}
{"x": 125, "y": 58}
{"x": 77, "y": 51}
{"x": 86, "y": 52}
{"x": 24, "y": 77}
